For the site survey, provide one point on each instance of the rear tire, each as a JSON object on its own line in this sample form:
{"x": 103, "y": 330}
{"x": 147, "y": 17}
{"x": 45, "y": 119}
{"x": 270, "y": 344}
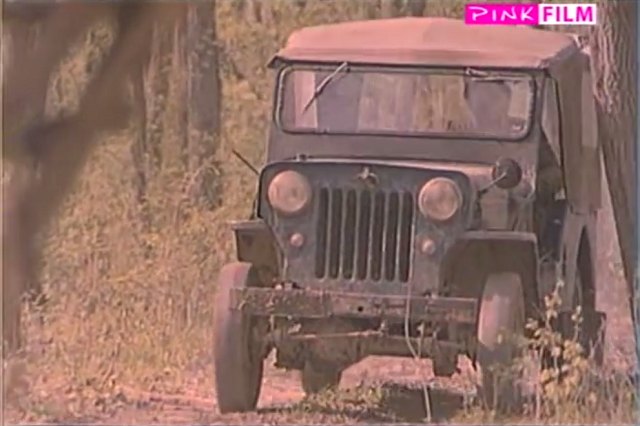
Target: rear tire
{"x": 589, "y": 335}
{"x": 237, "y": 357}
{"x": 501, "y": 319}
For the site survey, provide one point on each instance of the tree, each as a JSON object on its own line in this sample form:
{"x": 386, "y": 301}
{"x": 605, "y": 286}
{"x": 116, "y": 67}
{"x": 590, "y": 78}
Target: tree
{"x": 395, "y": 8}
{"x": 613, "y": 53}
{"x": 181, "y": 68}
{"x": 47, "y": 156}
{"x": 203, "y": 101}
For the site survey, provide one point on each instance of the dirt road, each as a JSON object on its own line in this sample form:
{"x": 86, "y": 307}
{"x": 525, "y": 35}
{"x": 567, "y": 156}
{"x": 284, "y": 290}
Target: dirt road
{"x": 376, "y": 390}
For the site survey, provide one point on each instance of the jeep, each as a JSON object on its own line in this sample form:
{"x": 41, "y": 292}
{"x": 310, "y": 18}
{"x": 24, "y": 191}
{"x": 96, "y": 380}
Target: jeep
{"x": 427, "y": 183}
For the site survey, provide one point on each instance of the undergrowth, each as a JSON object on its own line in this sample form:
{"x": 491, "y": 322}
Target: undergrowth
{"x": 574, "y": 391}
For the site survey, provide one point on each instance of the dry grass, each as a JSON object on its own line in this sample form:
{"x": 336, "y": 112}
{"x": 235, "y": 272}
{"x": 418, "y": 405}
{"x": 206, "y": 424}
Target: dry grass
{"x": 130, "y": 305}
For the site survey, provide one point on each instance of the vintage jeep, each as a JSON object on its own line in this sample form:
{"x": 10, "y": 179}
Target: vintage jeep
{"x": 427, "y": 184}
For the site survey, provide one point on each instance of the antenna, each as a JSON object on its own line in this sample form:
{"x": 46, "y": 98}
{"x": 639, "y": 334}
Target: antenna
{"x": 246, "y": 162}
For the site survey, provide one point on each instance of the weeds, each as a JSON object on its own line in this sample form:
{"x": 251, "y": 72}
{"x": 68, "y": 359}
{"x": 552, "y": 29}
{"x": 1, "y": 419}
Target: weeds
{"x": 571, "y": 388}
{"x": 576, "y": 389}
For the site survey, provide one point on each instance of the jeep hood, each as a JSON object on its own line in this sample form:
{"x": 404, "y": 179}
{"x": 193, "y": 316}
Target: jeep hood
{"x": 479, "y": 174}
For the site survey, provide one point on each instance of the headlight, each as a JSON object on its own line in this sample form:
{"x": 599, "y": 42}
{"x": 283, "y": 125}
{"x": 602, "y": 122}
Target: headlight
{"x": 289, "y": 192}
{"x": 440, "y": 199}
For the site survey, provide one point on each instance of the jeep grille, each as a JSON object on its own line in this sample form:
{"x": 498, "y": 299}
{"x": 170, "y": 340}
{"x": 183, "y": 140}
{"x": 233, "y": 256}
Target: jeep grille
{"x": 364, "y": 234}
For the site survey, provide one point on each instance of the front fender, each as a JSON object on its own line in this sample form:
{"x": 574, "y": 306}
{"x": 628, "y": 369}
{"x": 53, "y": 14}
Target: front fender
{"x": 256, "y": 244}
{"x": 476, "y": 254}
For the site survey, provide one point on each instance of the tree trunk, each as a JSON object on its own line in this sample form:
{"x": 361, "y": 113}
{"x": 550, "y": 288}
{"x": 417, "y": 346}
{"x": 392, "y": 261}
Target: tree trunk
{"x": 140, "y": 150}
{"x": 397, "y": 8}
{"x": 369, "y": 9}
{"x": 614, "y": 59}
{"x": 390, "y": 8}
{"x": 415, "y": 7}
{"x": 150, "y": 92}
{"x": 203, "y": 102}
{"x": 157, "y": 85}
{"x": 259, "y": 11}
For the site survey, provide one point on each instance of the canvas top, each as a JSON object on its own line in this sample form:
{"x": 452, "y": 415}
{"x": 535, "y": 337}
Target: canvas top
{"x": 428, "y": 41}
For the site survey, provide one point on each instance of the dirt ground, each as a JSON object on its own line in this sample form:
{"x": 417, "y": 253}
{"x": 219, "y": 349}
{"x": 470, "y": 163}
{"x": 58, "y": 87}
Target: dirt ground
{"x": 376, "y": 390}
{"x": 282, "y": 399}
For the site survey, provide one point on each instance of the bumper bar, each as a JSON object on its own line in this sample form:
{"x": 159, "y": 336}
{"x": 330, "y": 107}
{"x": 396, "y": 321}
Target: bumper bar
{"x": 321, "y": 304}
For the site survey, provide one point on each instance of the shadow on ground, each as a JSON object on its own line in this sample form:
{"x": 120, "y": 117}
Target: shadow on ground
{"x": 387, "y": 403}
{"x": 410, "y": 404}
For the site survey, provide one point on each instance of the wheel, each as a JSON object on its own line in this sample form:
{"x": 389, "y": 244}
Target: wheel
{"x": 319, "y": 377}
{"x": 590, "y": 334}
{"x": 237, "y": 357}
{"x": 501, "y": 318}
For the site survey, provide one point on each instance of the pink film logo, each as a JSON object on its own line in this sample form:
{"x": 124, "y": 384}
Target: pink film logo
{"x": 530, "y": 14}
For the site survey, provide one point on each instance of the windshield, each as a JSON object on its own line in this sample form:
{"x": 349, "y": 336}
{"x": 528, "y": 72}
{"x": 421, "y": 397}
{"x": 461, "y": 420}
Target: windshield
{"x": 353, "y": 100}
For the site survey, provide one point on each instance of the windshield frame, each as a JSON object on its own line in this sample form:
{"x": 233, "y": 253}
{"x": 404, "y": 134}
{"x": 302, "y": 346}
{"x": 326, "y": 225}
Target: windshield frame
{"x": 329, "y": 67}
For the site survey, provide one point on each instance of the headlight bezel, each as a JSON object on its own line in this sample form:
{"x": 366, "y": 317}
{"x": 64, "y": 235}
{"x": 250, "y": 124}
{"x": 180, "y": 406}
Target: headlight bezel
{"x": 429, "y": 208}
{"x": 288, "y": 180}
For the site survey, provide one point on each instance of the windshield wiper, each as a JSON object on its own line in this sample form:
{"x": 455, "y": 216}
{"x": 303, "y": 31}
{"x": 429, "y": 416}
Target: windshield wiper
{"x": 324, "y": 83}
{"x": 488, "y": 76}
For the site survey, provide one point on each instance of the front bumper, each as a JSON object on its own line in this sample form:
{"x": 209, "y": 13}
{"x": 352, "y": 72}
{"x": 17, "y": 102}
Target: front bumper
{"x": 315, "y": 304}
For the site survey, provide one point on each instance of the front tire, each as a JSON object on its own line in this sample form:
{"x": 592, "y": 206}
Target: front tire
{"x": 237, "y": 356}
{"x": 501, "y": 318}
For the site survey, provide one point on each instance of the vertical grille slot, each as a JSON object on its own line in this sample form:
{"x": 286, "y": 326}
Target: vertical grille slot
{"x": 364, "y": 234}
{"x": 349, "y": 245}
{"x": 321, "y": 233}
{"x": 404, "y": 236}
{"x": 335, "y": 232}
{"x": 377, "y": 234}
{"x": 363, "y": 218}
{"x": 390, "y": 237}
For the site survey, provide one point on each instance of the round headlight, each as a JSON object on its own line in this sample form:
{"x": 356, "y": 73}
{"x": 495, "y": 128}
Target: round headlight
{"x": 440, "y": 199}
{"x": 289, "y": 192}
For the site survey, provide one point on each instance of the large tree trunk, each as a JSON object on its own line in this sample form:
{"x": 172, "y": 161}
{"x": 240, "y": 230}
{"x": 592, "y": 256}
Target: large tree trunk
{"x": 614, "y": 59}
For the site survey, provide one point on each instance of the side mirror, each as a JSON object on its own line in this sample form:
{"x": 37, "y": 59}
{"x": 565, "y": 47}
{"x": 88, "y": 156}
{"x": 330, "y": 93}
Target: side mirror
{"x": 506, "y": 173}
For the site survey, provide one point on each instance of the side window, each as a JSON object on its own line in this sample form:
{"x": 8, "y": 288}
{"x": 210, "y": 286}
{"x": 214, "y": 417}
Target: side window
{"x": 551, "y": 118}
{"x": 589, "y": 117}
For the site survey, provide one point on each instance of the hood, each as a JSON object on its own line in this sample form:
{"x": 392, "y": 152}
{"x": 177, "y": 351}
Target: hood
{"x": 479, "y": 174}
